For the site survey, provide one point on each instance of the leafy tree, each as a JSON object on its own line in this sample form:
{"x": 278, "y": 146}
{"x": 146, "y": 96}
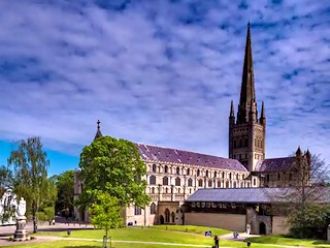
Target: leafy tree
{"x": 64, "y": 184}
{"x": 114, "y": 166}
{"x": 311, "y": 222}
{"x": 305, "y": 198}
{"x": 105, "y": 212}
{"x": 30, "y": 172}
{"x": 6, "y": 179}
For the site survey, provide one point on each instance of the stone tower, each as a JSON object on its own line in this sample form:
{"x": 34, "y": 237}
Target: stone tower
{"x": 247, "y": 131}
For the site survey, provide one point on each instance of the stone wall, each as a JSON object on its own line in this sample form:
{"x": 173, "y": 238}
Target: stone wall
{"x": 234, "y": 222}
{"x": 280, "y": 225}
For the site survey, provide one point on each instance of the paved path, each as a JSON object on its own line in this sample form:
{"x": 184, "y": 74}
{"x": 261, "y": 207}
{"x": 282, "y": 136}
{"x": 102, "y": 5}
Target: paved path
{"x": 241, "y": 236}
{"x": 9, "y": 230}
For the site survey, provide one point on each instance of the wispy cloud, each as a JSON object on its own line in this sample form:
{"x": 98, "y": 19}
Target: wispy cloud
{"x": 162, "y": 72}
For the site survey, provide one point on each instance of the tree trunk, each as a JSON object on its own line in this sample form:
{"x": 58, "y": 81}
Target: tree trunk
{"x": 34, "y": 218}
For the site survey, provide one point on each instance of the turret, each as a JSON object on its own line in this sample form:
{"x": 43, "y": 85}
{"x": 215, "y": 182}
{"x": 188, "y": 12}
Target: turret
{"x": 298, "y": 152}
{"x": 262, "y": 119}
{"x": 232, "y": 114}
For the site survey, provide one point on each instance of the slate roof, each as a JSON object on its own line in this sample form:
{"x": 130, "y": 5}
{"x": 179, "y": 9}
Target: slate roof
{"x": 155, "y": 153}
{"x": 250, "y": 195}
{"x": 275, "y": 164}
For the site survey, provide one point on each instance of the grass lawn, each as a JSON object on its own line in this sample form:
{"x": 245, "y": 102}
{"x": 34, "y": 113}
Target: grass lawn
{"x": 86, "y": 244}
{"x": 283, "y": 240}
{"x": 192, "y": 229}
{"x": 173, "y": 234}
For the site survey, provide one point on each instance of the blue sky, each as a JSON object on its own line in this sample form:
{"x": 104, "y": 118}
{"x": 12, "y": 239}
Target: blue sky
{"x": 161, "y": 72}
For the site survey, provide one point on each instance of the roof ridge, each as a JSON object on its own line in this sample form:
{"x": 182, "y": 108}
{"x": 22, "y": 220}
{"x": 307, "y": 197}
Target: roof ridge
{"x": 278, "y": 158}
{"x": 162, "y": 147}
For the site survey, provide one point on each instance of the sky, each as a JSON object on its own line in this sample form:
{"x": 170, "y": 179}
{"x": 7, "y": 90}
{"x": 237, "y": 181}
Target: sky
{"x": 161, "y": 72}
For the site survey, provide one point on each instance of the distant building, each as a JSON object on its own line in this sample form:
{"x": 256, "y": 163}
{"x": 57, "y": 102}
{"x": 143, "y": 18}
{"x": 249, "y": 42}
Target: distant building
{"x": 173, "y": 175}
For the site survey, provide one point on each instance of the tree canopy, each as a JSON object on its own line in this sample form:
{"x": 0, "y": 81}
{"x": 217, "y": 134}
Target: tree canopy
{"x": 30, "y": 173}
{"x": 64, "y": 184}
{"x": 114, "y": 166}
{"x": 105, "y": 212}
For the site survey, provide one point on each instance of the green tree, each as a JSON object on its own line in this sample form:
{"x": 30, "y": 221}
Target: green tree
{"x": 105, "y": 212}
{"x": 6, "y": 179}
{"x": 114, "y": 166}
{"x": 30, "y": 173}
{"x": 64, "y": 184}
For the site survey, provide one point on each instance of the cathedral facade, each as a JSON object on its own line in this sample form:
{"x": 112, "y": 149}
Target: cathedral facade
{"x": 173, "y": 175}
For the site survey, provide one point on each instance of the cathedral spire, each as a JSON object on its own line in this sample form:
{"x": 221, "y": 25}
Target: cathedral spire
{"x": 98, "y": 132}
{"x": 247, "y": 88}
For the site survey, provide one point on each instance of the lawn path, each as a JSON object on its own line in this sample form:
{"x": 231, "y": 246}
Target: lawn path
{"x": 55, "y": 238}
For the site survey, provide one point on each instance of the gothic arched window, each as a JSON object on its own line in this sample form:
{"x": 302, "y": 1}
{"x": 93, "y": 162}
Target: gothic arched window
{"x": 210, "y": 183}
{"x": 152, "y": 180}
{"x": 190, "y": 182}
{"x": 177, "y": 181}
{"x": 207, "y": 173}
{"x": 215, "y": 174}
{"x": 188, "y": 172}
{"x": 218, "y": 184}
{"x": 165, "y": 180}
{"x": 166, "y": 169}
{"x": 154, "y": 168}
{"x": 200, "y": 183}
{"x": 178, "y": 170}
{"x": 198, "y": 172}
{"x": 153, "y": 208}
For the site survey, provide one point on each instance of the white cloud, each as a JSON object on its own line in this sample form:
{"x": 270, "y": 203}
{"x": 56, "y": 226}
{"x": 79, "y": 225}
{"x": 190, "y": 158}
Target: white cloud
{"x": 161, "y": 74}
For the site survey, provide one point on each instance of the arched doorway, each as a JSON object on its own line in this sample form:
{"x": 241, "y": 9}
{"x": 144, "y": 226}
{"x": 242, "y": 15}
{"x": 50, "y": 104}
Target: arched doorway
{"x": 173, "y": 217}
{"x": 167, "y": 215}
{"x": 161, "y": 219}
{"x": 262, "y": 228}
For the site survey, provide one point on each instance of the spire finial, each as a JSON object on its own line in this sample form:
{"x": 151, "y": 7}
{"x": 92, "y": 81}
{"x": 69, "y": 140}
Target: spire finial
{"x": 98, "y": 124}
{"x": 98, "y": 132}
{"x": 232, "y": 113}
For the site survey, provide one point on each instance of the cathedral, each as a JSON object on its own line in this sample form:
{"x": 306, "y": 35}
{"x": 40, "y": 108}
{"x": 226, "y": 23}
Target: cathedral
{"x": 174, "y": 175}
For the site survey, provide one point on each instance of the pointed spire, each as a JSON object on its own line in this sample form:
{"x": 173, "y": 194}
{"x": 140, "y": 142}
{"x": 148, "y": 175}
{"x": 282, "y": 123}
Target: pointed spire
{"x": 98, "y": 132}
{"x": 247, "y": 88}
{"x": 263, "y": 114}
{"x": 298, "y": 152}
{"x": 262, "y": 110}
{"x": 232, "y": 112}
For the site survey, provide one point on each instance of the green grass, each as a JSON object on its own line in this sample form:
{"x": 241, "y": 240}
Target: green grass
{"x": 192, "y": 229}
{"x": 284, "y": 240}
{"x": 173, "y": 234}
{"x": 139, "y": 234}
{"x": 85, "y": 244}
